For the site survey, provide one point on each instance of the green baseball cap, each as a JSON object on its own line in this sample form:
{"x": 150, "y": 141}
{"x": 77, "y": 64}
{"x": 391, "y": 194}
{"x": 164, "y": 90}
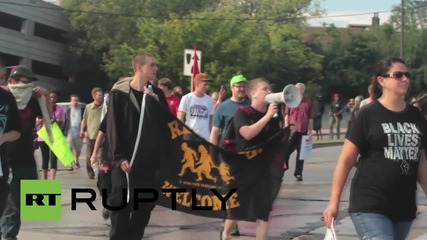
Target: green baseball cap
{"x": 238, "y": 79}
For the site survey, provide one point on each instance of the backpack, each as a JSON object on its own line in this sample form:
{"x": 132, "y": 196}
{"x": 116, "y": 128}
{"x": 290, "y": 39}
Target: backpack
{"x": 229, "y": 139}
{"x": 228, "y": 136}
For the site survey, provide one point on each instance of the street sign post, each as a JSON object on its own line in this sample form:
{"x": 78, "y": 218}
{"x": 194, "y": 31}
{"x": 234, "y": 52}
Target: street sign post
{"x": 188, "y": 61}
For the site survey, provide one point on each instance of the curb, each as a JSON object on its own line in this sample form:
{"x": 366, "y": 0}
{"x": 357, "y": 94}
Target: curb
{"x": 327, "y": 144}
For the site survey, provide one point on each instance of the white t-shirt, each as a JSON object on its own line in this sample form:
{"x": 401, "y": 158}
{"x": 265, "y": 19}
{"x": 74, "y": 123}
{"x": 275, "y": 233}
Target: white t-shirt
{"x": 197, "y": 111}
{"x": 364, "y": 102}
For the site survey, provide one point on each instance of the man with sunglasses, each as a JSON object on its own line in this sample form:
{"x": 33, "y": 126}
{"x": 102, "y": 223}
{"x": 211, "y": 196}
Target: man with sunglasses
{"x": 21, "y": 152}
{"x": 225, "y": 110}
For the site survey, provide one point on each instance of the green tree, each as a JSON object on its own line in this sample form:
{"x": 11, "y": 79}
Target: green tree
{"x": 261, "y": 45}
{"x": 415, "y": 42}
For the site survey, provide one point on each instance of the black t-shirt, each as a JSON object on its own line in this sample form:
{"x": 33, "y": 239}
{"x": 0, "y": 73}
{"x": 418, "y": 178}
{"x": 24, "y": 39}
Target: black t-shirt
{"x": 337, "y": 107}
{"x": 21, "y": 152}
{"x": 9, "y": 120}
{"x": 390, "y": 144}
{"x": 103, "y": 126}
{"x": 245, "y": 116}
{"x": 122, "y": 129}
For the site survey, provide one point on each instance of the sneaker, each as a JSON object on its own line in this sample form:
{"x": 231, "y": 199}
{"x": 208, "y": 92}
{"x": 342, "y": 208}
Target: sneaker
{"x": 105, "y": 214}
{"x": 222, "y": 237}
{"x": 299, "y": 178}
{"x": 235, "y": 231}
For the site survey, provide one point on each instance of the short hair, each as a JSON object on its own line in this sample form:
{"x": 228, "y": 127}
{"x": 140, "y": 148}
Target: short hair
{"x": 54, "y": 91}
{"x": 302, "y": 85}
{"x": 74, "y": 95}
{"x": 139, "y": 58}
{"x": 166, "y": 82}
{"x": 96, "y": 89}
{"x": 252, "y": 84}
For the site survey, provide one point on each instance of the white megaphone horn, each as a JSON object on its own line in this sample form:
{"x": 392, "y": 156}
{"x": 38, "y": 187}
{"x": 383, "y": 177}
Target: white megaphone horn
{"x": 291, "y": 96}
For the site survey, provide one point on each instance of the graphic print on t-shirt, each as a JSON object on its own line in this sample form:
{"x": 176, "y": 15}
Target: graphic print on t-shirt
{"x": 403, "y": 141}
{"x": 199, "y": 111}
{"x": 3, "y": 117}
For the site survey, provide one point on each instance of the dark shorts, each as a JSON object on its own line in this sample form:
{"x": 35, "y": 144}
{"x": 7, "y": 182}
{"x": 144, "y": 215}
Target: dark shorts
{"x": 255, "y": 200}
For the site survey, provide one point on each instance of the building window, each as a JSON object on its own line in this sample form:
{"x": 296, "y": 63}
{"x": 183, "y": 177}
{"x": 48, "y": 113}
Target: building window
{"x": 10, "y": 21}
{"x": 48, "y": 70}
{"x": 9, "y": 60}
{"x": 50, "y": 33}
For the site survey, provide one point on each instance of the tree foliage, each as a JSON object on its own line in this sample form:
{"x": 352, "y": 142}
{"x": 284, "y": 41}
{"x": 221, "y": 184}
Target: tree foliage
{"x": 257, "y": 38}
{"x": 266, "y": 43}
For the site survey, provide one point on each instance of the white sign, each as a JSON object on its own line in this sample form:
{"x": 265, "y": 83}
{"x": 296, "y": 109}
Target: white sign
{"x": 189, "y": 60}
{"x": 330, "y": 232}
{"x": 306, "y": 148}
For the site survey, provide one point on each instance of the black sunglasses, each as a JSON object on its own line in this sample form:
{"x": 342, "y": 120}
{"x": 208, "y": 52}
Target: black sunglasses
{"x": 398, "y": 75}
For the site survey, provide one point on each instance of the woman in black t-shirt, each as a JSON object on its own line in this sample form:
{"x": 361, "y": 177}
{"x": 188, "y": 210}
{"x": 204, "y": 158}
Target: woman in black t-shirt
{"x": 255, "y": 124}
{"x": 390, "y": 137}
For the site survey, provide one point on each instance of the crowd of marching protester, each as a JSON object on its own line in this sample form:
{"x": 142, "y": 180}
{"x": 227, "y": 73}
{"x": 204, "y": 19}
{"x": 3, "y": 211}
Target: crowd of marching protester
{"x": 385, "y": 142}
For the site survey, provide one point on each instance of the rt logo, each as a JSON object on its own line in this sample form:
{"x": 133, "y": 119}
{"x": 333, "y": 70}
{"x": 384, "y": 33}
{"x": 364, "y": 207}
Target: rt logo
{"x": 40, "y": 200}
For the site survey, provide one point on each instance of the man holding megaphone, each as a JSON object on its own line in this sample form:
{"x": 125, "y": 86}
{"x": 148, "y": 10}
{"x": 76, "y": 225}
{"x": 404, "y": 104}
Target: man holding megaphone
{"x": 254, "y": 125}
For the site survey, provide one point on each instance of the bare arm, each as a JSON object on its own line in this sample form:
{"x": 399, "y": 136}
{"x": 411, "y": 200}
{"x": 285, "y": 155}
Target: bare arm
{"x": 181, "y": 116}
{"x": 216, "y": 104}
{"x": 422, "y": 172}
{"x": 286, "y": 120}
{"x": 210, "y": 122}
{"x": 214, "y": 136}
{"x": 310, "y": 126}
{"x": 9, "y": 136}
{"x": 98, "y": 142}
{"x": 221, "y": 97}
{"x": 83, "y": 125}
{"x": 250, "y": 131}
{"x": 39, "y": 122}
{"x": 340, "y": 111}
{"x": 346, "y": 160}
{"x": 42, "y": 92}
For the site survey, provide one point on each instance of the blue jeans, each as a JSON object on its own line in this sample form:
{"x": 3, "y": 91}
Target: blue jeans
{"x": 373, "y": 226}
{"x": 11, "y": 220}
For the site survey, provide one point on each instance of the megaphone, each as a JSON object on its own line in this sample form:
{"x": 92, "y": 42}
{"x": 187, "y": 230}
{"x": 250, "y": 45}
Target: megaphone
{"x": 291, "y": 96}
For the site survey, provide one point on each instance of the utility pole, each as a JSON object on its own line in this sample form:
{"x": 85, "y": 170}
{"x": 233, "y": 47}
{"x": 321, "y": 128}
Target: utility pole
{"x": 402, "y": 27}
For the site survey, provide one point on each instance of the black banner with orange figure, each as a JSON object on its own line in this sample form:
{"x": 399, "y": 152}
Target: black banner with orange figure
{"x": 204, "y": 180}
